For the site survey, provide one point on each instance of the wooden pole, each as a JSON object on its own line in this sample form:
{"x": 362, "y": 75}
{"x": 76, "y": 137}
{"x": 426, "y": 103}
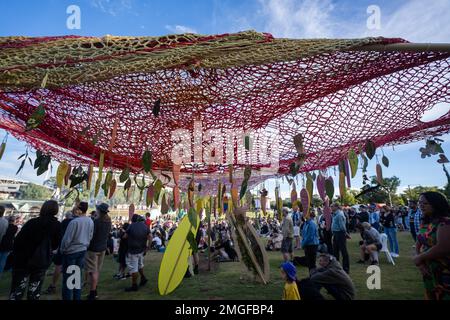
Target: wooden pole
{"x": 405, "y": 47}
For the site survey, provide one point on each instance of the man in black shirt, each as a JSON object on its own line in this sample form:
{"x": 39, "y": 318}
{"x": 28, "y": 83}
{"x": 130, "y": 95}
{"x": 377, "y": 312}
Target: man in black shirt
{"x": 97, "y": 248}
{"x": 137, "y": 236}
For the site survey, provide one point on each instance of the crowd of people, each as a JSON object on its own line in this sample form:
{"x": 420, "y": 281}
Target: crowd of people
{"x": 428, "y": 221}
{"x": 81, "y": 240}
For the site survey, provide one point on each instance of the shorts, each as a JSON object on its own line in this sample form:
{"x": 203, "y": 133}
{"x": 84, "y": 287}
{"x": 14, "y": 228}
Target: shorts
{"x": 135, "y": 262}
{"x": 94, "y": 261}
{"x": 286, "y": 245}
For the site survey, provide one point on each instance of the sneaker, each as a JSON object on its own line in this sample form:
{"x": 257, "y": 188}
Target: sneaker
{"x": 50, "y": 290}
{"x": 188, "y": 274}
{"x": 374, "y": 263}
{"x": 394, "y": 255}
{"x": 132, "y": 288}
{"x": 122, "y": 277}
{"x": 143, "y": 282}
{"x": 196, "y": 269}
{"x": 92, "y": 296}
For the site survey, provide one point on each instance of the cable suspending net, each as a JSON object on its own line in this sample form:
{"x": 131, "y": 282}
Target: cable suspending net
{"x": 332, "y": 91}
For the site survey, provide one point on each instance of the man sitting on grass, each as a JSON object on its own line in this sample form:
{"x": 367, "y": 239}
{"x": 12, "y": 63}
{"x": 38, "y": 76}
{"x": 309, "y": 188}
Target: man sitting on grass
{"x": 330, "y": 276}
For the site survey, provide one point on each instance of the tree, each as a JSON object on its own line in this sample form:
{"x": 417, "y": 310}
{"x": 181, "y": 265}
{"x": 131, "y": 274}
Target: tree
{"x": 446, "y": 190}
{"x": 316, "y": 201}
{"x": 385, "y": 194}
{"x": 33, "y": 191}
{"x": 413, "y": 194}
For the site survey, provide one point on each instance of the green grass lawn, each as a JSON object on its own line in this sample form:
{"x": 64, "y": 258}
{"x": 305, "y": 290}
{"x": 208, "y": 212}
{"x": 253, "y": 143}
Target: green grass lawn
{"x": 229, "y": 280}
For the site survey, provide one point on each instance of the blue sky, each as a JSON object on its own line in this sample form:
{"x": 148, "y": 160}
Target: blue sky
{"x": 415, "y": 20}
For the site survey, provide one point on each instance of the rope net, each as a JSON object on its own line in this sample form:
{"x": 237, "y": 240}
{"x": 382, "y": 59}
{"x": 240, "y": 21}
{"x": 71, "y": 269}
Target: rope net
{"x": 245, "y": 84}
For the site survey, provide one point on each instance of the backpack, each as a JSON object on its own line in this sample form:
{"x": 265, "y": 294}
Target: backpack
{"x": 41, "y": 258}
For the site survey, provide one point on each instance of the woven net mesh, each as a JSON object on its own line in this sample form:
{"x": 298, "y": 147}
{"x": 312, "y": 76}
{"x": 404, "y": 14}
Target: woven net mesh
{"x": 334, "y": 92}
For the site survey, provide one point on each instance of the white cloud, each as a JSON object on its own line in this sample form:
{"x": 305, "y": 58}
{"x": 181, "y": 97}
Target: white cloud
{"x": 418, "y": 21}
{"x": 180, "y": 29}
{"x": 298, "y": 19}
{"x": 112, "y": 7}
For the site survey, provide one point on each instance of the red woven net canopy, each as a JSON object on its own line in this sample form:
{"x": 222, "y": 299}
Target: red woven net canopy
{"x": 337, "y": 93}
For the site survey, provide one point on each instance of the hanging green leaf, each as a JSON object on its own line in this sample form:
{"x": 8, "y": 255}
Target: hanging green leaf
{"x": 36, "y": 118}
{"x": 107, "y": 183}
{"x": 157, "y": 189}
{"x": 247, "y": 142}
{"x": 147, "y": 161}
{"x": 329, "y": 188}
{"x": 385, "y": 161}
{"x": 21, "y": 167}
{"x": 370, "y": 149}
{"x": 2, "y": 149}
{"x": 175, "y": 260}
{"x": 124, "y": 175}
{"x": 310, "y": 186}
{"x": 353, "y": 161}
{"x": 43, "y": 167}
{"x": 77, "y": 179}
{"x": 243, "y": 189}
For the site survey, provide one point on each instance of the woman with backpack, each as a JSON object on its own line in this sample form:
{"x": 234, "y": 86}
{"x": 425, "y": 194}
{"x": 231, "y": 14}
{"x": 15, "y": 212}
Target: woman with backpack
{"x": 32, "y": 252}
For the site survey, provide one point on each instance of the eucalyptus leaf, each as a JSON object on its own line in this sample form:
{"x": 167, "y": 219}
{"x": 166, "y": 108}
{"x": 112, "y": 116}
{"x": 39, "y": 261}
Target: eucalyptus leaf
{"x": 370, "y": 149}
{"x": 385, "y": 161}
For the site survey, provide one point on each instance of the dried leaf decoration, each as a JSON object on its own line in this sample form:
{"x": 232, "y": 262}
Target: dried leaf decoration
{"x": 36, "y": 118}
{"x": 379, "y": 174}
{"x": 442, "y": 159}
{"x": 305, "y": 198}
{"x": 329, "y": 188}
{"x": 150, "y": 195}
{"x": 112, "y": 188}
{"x": 294, "y": 195}
{"x": 90, "y": 175}
{"x": 320, "y": 184}
{"x": 370, "y": 149}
